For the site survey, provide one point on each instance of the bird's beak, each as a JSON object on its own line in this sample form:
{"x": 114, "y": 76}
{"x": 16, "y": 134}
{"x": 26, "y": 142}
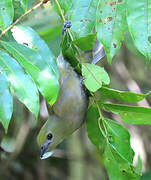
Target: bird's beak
{"x": 44, "y": 148}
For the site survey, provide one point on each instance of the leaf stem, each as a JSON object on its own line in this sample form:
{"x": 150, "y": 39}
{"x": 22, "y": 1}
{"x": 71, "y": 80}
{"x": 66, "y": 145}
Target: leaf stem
{"x": 21, "y": 17}
{"x": 60, "y": 10}
{"x": 101, "y": 117}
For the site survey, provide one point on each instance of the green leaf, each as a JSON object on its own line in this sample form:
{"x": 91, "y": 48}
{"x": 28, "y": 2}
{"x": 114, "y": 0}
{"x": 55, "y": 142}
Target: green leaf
{"x": 6, "y": 102}
{"x": 24, "y": 4}
{"x": 128, "y": 41}
{"x": 69, "y": 51}
{"x": 117, "y": 167}
{"x": 85, "y": 43}
{"x": 39, "y": 70}
{"x": 115, "y": 140}
{"x": 119, "y": 139}
{"x": 23, "y": 85}
{"x": 108, "y": 93}
{"x": 6, "y": 13}
{"x": 64, "y": 5}
{"x": 83, "y": 16}
{"x": 110, "y": 25}
{"x": 131, "y": 114}
{"x": 94, "y": 76}
{"x": 138, "y": 18}
{"x": 46, "y": 72}
{"x": 92, "y": 125}
{"x": 26, "y": 35}
{"x": 48, "y": 28}
{"x": 18, "y": 9}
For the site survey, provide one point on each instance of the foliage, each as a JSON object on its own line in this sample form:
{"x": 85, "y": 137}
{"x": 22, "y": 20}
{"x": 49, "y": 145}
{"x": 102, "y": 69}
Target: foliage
{"x": 28, "y": 65}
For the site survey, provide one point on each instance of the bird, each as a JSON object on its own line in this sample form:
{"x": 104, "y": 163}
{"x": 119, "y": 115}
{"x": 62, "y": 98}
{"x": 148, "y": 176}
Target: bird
{"x": 68, "y": 112}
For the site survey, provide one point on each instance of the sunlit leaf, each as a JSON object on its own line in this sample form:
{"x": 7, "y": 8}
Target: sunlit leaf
{"x": 37, "y": 54}
{"x": 94, "y": 76}
{"x": 26, "y": 35}
{"x": 48, "y": 28}
{"x": 33, "y": 63}
{"x": 23, "y": 85}
{"x": 6, "y": 101}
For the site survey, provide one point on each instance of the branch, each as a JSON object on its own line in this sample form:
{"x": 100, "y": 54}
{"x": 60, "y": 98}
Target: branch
{"x": 23, "y": 15}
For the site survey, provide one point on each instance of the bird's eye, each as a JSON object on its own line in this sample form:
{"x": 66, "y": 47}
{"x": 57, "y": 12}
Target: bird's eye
{"x": 41, "y": 147}
{"x": 49, "y": 136}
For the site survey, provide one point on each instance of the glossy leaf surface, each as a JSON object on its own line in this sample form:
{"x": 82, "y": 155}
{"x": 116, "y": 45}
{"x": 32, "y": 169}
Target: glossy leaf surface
{"x": 6, "y": 101}
{"x": 23, "y": 85}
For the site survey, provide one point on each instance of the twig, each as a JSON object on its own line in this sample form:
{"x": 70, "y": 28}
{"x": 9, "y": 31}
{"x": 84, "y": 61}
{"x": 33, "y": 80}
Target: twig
{"x": 23, "y": 15}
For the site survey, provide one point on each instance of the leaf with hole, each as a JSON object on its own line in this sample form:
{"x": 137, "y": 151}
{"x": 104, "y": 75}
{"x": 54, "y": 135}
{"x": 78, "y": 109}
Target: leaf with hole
{"x": 119, "y": 139}
{"x": 117, "y": 167}
{"x": 110, "y": 25}
{"x": 27, "y": 36}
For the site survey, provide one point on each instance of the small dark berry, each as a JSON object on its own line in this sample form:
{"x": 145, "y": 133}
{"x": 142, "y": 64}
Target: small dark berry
{"x": 49, "y": 136}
